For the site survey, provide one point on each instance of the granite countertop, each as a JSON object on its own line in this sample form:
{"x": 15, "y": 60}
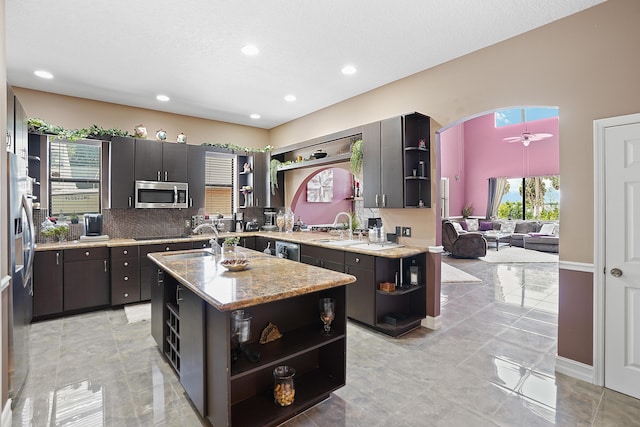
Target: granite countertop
{"x": 310, "y": 238}
{"x": 268, "y": 278}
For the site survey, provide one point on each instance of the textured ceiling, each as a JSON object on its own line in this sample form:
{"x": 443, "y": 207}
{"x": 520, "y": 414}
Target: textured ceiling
{"x": 127, "y": 52}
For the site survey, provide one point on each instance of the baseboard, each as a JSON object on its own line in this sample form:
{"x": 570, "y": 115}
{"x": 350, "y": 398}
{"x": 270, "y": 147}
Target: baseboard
{"x": 576, "y": 266}
{"x": 433, "y": 323}
{"x": 574, "y": 369}
{"x": 7, "y": 416}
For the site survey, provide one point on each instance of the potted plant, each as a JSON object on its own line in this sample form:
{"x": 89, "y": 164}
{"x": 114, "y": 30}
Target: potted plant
{"x": 74, "y": 218}
{"x": 273, "y": 174}
{"x": 229, "y": 247}
{"x": 356, "y": 157}
{"x": 467, "y": 210}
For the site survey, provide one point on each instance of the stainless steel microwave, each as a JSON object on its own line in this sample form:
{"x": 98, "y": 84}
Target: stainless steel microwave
{"x": 162, "y": 195}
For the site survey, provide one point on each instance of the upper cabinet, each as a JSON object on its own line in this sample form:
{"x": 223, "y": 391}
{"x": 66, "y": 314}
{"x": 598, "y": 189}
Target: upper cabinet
{"x": 160, "y": 161}
{"x": 396, "y": 157}
{"x": 253, "y": 183}
{"x": 196, "y": 156}
{"x": 122, "y": 154}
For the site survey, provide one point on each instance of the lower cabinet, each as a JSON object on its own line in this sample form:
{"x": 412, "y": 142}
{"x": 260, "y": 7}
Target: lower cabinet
{"x": 86, "y": 278}
{"x": 262, "y": 243}
{"x": 191, "y": 310}
{"x": 149, "y": 271}
{"x": 47, "y": 283}
{"x": 248, "y": 242}
{"x": 125, "y": 275}
{"x": 331, "y": 259}
{"x": 361, "y": 295}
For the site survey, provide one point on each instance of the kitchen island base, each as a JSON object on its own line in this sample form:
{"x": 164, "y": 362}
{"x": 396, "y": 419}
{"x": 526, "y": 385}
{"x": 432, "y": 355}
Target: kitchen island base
{"x": 240, "y": 392}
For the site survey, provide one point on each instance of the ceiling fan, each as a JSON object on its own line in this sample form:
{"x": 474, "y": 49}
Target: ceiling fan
{"x": 527, "y": 137}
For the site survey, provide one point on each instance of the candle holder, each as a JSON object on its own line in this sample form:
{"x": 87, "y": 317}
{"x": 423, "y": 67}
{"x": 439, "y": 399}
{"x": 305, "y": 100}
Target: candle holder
{"x": 241, "y": 334}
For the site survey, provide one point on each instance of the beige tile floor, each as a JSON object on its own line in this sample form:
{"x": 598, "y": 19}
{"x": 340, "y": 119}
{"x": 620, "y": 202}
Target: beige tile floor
{"x": 491, "y": 364}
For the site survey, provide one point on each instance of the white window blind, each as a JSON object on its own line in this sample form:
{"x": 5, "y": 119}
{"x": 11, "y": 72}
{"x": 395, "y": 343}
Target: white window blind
{"x": 219, "y": 184}
{"x": 219, "y": 171}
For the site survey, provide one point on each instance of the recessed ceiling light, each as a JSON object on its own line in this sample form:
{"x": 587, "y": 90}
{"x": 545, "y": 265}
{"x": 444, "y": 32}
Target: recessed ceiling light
{"x": 250, "y": 50}
{"x": 43, "y": 74}
{"x": 163, "y": 98}
{"x": 290, "y": 98}
{"x": 255, "y": 116}
{"x": 348, "y": 70}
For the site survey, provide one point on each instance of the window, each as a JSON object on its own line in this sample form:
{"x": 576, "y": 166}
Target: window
{"x": 514, "y": 116}
{"x": 219, "y": 184}
{"x": 74, "y": 181}
{"x": 540, "y": 200}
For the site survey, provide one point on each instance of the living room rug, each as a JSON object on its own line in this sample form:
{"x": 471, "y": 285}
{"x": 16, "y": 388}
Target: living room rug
{"x": 450, "y": 274}
{"x": 137, "y": 313}
{"x": 515, "y": 254}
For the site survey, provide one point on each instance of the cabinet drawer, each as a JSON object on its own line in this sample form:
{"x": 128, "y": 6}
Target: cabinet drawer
{"x": 86, "y": 254}
{"x": 124, "y": 252}
{"x": 124, "y": 265}
{"x": 124, "y": 293}
{"x": 366, "y": 262}
{"x": 330, "y": 255}
{"x": 125, "y": 276}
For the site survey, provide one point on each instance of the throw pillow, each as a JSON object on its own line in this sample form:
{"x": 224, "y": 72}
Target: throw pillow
{"x": 508, "y": 227}
{"x": 472, "y": 224}
{"x": 464, "y": 225}
{"x": 485, "y": 226}
{"x": 548, "y": 229}
{"x": 457, "y": 226}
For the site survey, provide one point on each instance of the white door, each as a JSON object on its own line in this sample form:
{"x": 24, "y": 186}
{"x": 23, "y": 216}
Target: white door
{"x": 622, "y": 249}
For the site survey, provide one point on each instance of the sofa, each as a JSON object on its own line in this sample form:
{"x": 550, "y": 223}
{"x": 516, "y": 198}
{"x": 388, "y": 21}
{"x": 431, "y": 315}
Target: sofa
{"x": 528, "y": 234}
{"x": 462, "y": 244}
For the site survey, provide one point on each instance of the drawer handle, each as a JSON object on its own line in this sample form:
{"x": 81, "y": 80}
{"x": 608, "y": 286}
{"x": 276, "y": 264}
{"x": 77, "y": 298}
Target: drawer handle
{"x": 57, "y": 258}
{"x": 126, "y": 252}
{"x": 167, "y": 248}
{"x": 86, "y": 253}
{"x": 126, "y": 295}
{"x": 357, "y": 260}
{"x": 126, "y": 278}
{"x": 105, "y": 265}
{"x": 126, "y": 264}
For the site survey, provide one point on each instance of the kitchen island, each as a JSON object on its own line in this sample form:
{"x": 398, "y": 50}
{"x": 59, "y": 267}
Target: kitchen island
{"x": 191, "y": 323}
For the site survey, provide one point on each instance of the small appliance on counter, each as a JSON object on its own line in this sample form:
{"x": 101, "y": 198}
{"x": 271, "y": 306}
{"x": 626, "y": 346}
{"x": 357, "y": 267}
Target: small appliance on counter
{"x": 252, "y": 225}
{"x": 93, "y": 228}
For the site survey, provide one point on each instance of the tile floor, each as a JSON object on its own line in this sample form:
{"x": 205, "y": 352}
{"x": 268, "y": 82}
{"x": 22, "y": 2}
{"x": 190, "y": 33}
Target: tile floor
{"x": 491, "y": 364}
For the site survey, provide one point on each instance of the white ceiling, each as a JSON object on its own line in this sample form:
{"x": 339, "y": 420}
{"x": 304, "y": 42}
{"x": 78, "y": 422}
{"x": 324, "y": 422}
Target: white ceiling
{"x": 127, "y": 52}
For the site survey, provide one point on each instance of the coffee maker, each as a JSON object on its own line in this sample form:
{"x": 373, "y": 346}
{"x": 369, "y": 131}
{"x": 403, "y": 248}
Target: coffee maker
{"x": 239, "y": 221}
{"x": 92, "y": 224}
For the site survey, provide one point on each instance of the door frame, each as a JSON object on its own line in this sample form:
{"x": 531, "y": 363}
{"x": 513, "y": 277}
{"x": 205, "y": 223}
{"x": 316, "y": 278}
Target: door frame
{"x": 599, "y": 237}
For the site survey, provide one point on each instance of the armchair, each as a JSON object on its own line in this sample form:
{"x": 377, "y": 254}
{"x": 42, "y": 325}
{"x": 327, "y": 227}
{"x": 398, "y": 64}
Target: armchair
{"x": 462, "y": 245}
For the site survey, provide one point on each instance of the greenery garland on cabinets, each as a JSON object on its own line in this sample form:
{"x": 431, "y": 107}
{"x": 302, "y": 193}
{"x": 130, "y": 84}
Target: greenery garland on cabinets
{"x": 356, "y": 157}
{"x": 235, "y": 147}
{"x": 40, "y": 126}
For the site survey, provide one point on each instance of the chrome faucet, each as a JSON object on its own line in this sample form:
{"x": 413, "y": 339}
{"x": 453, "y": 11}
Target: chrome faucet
{"x": 335, "y": 223}
{"x": 215, "y": 246}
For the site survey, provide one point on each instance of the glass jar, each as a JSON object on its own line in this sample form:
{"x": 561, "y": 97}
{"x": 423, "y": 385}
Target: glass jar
{"x": 229, "y": 251}
{"x": 289, "y": 219}
{"x": 284, "y": 389}
{"x": 280, "y": 221}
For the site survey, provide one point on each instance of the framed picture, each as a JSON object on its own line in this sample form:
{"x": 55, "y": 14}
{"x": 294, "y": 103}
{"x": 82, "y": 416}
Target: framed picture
{"x": 320, "y": 187}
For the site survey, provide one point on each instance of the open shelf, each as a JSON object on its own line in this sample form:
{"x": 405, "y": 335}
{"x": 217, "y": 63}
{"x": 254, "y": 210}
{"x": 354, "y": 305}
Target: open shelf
{"x": 290, "y": 345}
{"x": 401, "y": 327}
{"x": 400, "y": 291}
{"x": 336, "y": 158}
{"x": 260, "y": 410}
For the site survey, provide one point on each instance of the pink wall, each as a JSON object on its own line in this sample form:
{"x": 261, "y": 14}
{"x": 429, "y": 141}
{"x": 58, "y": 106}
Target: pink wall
{"x": 324, "y": 213}
{"x": 452, "y": 165}
{"x": 486, "y": 155}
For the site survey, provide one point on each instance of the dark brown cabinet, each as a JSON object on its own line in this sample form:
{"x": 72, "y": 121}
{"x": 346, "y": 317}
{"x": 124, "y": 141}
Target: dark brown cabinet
{"x": 191, "y": 310}
{"x": 160, "y": 161}
{"x": 330, "y": 259}
{"x": 263, "y": 243}
{"x": 149, "y": 271}
{"x": 125, "y": 275}
{"x": 86, "y": 278}
{"x": 256, "y": 177}
{"x": 361, "y": 295}
{"x": 248, "y": 242}
{"x": 393, "y": 149}
{"x": 196, "y": 157}
{"x": 47, "y": 283}
{"x": 122, "y": 164}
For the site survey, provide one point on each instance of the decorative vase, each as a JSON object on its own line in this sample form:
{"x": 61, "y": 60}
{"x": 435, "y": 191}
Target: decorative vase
{"x": 140, "y": 131}
{"x": 161, "y": 135}
{"x": 229, "y": 250}
{"x": 182, "y": 138}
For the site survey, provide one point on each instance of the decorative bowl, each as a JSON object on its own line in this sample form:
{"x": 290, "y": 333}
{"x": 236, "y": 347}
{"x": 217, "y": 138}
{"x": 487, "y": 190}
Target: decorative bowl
{"x": 319, "y": 154}
{"x": 235, "y": 264}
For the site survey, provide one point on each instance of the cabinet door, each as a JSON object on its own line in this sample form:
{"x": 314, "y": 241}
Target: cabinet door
{"x": 260, "y": 180}
{"x": 149, "y": 270}
{"x": 371, "y": 165}
{"x": 392, "y": 155}
{"x": 148, "y": 160}
{"x": 248, "y": 242}
{"x": 192, "y": 375}
{"x": 47, "y": 283}
{"x": 157, "y": 296}
{"x": 263, "y": 242}
{"x": 86, "y": 284}
{"x": 361, "y": 295}
{"x": 21, "y": 130}
{"x": 121, "y": 172}
{"x": 196, "y": 156}
{"x": 174, "y": 162}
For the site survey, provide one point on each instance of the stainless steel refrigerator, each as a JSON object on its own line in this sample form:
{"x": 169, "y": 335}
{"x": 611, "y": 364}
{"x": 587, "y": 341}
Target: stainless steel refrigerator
{"x": 21, "y": 253}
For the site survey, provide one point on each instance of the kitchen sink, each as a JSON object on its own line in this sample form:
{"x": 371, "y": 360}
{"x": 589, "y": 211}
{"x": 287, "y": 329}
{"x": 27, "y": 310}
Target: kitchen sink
{"x": 377, "y": 246}
{"x": 340, "y": 242}
{"x": 198, "y": 254}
